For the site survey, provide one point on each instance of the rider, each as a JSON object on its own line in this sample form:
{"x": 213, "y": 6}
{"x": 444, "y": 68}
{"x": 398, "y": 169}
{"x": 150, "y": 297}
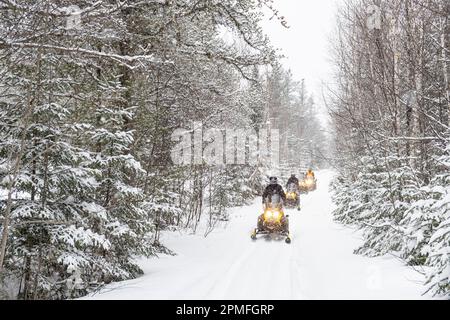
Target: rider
{"x": 272, "y": 189}
{"x": 293, "y": 179}
{"x": 310, "y": 174}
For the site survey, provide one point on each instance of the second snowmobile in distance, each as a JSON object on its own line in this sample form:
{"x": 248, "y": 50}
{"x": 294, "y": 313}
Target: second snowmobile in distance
{"x": 273, "y": 221}
{"x": 293, "y": 196}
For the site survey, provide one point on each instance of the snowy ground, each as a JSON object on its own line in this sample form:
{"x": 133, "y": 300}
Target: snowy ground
{"x": 318, "y": 264}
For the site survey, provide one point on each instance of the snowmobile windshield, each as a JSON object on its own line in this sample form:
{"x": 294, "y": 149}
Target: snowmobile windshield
{"x": 292, "y": 187}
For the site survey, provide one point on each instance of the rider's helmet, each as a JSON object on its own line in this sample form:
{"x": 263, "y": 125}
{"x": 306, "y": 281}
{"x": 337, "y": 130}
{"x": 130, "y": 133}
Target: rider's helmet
{"x": 273, "y": 180}
{"x": 293, "y": 175}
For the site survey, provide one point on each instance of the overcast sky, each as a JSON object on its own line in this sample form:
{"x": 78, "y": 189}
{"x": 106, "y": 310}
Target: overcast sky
{"x": 306, "y": 43}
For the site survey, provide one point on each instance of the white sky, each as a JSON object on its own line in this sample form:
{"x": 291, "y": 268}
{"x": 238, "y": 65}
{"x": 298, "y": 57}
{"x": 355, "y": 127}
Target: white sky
{"x": 305, "y": 44}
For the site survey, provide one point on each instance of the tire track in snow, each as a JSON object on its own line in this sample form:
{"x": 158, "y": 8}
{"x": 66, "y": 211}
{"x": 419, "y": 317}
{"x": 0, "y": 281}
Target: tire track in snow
{"x": 219, "y": 290}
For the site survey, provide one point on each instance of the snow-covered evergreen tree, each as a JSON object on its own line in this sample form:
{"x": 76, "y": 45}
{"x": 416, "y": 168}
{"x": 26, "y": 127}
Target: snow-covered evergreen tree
{"x": 90, "y": 93}
{"x": 391, "y": 148}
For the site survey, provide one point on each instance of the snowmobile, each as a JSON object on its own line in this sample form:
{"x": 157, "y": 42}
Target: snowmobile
{"x": 307, "y": 184}
{"x": 311, "y": 183}
{"x": 302, "y": 187}
{"x": 292, "y": 197}
{"x": 273, "y": 222}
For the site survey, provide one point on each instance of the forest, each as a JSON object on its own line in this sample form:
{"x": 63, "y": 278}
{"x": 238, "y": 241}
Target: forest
{"x": 390, "y": 111}
{"x": 91, "y": 92}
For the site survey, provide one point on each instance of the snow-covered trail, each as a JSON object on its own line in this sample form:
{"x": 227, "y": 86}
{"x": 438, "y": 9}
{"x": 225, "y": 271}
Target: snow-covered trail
{"x": 318, "y": 264}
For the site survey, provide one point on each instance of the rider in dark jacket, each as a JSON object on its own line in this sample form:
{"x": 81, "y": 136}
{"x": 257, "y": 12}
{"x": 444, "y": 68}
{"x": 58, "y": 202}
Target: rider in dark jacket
{"x": 293, "y": 179}
{"x": 273, "y": 188}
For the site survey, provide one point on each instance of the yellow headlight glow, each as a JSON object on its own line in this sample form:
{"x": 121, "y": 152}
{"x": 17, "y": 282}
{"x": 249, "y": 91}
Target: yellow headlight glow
{"x": 272, "y": 215}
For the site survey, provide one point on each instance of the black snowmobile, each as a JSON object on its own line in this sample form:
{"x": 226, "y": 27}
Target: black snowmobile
{"x": 273, "y": 221}
{"x": 292, "y": 196}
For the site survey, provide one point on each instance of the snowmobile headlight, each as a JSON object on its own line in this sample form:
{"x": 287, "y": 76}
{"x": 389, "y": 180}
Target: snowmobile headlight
{"x": 271, "y": 214}
{"x": 291, "y": 195}
{"x": 278, "y": 215}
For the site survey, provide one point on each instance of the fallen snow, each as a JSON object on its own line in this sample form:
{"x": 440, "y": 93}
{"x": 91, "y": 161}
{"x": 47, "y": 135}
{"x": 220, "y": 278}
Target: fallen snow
{"x": 318, "y": 264}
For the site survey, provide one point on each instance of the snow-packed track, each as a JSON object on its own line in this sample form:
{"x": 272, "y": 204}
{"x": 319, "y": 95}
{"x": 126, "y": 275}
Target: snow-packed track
{"x": 318, "y": 264}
